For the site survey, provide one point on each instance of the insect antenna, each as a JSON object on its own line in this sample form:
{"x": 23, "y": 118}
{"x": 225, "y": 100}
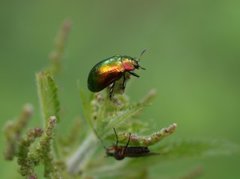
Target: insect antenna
{"x": 141, "y": 54}
{"x": 116, "y": 136}
{"x": 99, "y": 138}
{"x": 138, "y": 59}
{"x": 125, "y": 148}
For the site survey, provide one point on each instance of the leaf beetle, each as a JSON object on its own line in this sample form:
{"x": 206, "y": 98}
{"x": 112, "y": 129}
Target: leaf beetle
{"x": 108, "y": 71}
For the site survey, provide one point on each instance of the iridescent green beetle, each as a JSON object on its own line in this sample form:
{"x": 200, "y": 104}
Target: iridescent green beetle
{"x": 107, "y": 72}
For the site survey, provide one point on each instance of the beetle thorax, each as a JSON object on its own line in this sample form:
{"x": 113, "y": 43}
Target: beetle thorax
{"x": 116, "y": 152}
{"x": 129, "y": 64}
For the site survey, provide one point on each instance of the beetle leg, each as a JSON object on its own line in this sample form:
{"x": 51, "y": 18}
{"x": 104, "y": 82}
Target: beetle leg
{"x": 111, "y": 90}
{"x": 134, "y": 74}
{"x": 142, "y": 68}
{"x": 124, "y": 82}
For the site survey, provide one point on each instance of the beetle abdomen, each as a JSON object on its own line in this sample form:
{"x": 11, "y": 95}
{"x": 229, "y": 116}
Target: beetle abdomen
{"x": 104, "y": 73}
{"x": 97, "y": 82}
{"x": 136, "y": 151}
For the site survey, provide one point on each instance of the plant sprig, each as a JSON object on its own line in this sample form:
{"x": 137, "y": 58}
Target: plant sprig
{"x": 42, "y": 145}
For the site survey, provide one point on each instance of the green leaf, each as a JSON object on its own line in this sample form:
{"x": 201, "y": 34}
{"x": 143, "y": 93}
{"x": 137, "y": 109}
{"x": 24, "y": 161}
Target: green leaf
{"x": 47, "y": 94}
{"x": 171, "y": 151}
{"x": 86, "y": 105}
{"x": 197, "y": 148}
{"x": 119, "y": 117}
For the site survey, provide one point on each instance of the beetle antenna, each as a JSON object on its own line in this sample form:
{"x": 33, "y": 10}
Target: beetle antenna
{"x": 116, "y": 136}
{"x": 99, "y": 138}
{"x": 141, "y": 54}
{"x": 138, "y": 59}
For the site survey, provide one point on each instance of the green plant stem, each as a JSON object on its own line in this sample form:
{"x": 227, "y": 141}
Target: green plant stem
{"x": 57, "y": 53}
{"x": 78, "y": 161}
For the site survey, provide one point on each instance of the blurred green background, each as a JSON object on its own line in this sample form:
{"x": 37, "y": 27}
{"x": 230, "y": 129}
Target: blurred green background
{"x": 193, "y": 60}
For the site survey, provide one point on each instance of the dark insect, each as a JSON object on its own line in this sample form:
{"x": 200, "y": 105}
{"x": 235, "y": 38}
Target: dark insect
{"x": 120, "y": 152}
{"x": 108, "y": 71}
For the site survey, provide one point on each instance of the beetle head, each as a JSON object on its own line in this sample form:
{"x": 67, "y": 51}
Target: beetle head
{"x": 137, "y": 66}
{"x": 110, "y": 151}
{"x": 115, "y": 152}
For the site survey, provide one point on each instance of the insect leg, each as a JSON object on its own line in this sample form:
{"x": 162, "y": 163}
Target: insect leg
{"x": 116, "y": 136}
{"x": 111, "y": 90}
{"x": 124, "y": 82}
{"x": 128, "y": 140}
{"x": 95, "y": 131}
{"x": 134, "y": 74}
{"x": 142, "y": 68}
{"x": 125, "y": 148}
